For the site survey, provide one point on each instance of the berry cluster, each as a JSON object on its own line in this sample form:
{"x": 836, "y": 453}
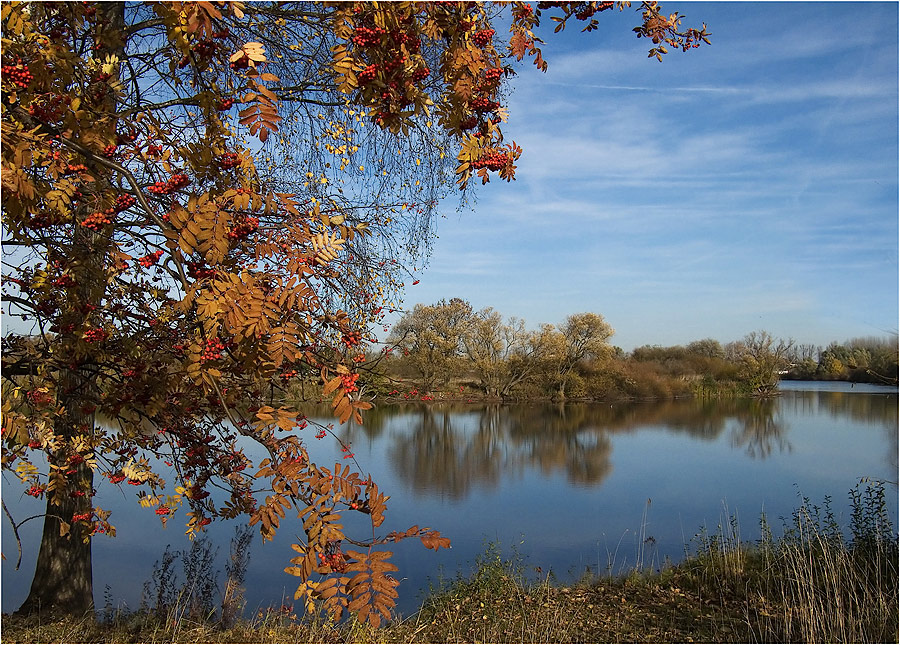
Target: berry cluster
{"x": 203, "y": 50}
{"x": 368, "y": 74}
{"x": 96, "y": 221}
{"x": 48, "y": 110}
{"x": 351, "y": 338}
{"x": 394, "y": 64}
{"x": 18, "y": 74}
{"x": 348, "y": 382}
{"x": 109, "y": 150}
{"x": 199, "y": 270}
{"x": 212, "y": 350}
{"x": 492, "y": 161}
{"x": 64, "y": 280}
{"x": 225, "y": 104}
{"x": 367, "y": 37}
{"x": 197, "y": 492}
{"x": 72, "y": 169}
{"x": 241, "y": 63}
{"x": 484, "y": 104}
{"x": 149, "y": 260}
{"x": 420, "y": 74}
{"x": 174, "y": 183}
{"x": 196, "y": 456}
{"x": 337, "y": 561}
{"x": 244, "y": 228}
{"x": 288, "y": 375}
{"x": 38, "y": 398}
{"x": 469, "y": 123}
{"x": 163, "y": 510}
{"x": 692, "y": 40}
{"x": 493, "y": 74}
{"x": 35, "y": 491}
{"x": 97, "y": 335}
{"x": 59, "y": 32}
{"x": 590, "y": 11}
{"x": 116, "y": 478}
{"x": 483, "y": 37}
{"x": 229, "y": 160}
{"x": 124, "y": 202}
{"x": 81, "y": 517}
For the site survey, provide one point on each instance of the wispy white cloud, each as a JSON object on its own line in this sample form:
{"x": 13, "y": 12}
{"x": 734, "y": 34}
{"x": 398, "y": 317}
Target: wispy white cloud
{"x": 752, "y": 186}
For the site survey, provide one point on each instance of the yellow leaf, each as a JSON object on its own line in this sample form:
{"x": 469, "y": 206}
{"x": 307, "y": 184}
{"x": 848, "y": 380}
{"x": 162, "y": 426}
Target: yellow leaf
{"x": 331, "y": 385}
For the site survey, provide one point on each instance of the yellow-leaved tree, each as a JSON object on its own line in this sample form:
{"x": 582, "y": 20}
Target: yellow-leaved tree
{"x": 203, "y": 201}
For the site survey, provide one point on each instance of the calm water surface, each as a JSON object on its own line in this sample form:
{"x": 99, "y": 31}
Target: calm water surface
{"x": 571, "y": 488}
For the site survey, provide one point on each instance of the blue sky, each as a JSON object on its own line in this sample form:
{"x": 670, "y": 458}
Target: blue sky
{"x": 751, "y": 184}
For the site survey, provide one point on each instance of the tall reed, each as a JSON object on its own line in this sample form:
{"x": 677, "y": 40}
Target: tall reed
{"x": 832, "y": 587}
{"x": 817, "y": 582}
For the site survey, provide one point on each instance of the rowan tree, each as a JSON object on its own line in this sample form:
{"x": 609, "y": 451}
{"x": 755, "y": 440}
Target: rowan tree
{"x": 205, "y": 200}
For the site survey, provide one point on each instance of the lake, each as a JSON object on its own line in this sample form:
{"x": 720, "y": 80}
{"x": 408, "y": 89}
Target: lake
{"x": 580, "y": 487}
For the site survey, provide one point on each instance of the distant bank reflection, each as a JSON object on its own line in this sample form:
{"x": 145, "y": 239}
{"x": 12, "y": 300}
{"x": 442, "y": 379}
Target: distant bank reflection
{"x": 450, "y": 449}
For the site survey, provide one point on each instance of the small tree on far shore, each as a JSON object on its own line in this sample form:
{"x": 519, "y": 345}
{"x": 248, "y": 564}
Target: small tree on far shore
{"x": 762, "y": 359}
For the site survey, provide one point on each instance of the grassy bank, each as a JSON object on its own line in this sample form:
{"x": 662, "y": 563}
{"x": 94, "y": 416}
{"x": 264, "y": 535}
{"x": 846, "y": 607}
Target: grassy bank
{"x": 815, "y": 583}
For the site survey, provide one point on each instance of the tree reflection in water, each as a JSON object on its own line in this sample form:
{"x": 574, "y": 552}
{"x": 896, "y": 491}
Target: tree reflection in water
{"x": 449, "y": 449}
{"x": 436, "y": 457}
{"x": 761, "y": 428}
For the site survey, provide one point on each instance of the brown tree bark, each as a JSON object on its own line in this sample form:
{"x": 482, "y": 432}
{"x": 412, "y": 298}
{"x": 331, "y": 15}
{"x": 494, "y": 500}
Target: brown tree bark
{"x": 63, "y": 577}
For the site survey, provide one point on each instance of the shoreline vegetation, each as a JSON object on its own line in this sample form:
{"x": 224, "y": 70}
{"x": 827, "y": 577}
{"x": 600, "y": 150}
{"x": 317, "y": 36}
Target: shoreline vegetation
{"x": 449, "y": 351}
{"x": 817, "y": 582}
{"x": 575, "y": 363}
{"x": 474, "y": 396}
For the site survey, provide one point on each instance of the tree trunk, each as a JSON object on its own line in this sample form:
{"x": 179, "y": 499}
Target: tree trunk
{"x": 63, "y": 580}
{"x": 63, "y": 577}
{"x": 561, "y": 391}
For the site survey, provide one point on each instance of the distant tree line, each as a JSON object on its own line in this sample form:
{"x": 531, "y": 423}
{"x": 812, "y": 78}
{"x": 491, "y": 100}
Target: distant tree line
{"x": 448, "y": 348}
{"x": 870, "y": 359}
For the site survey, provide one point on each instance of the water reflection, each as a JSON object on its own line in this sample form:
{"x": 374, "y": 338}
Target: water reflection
{"x": 761, "y": 430}
{"x": 451, "y": 449}
{"x": 506, "y": 471}
{"x": 435, "y": 456}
